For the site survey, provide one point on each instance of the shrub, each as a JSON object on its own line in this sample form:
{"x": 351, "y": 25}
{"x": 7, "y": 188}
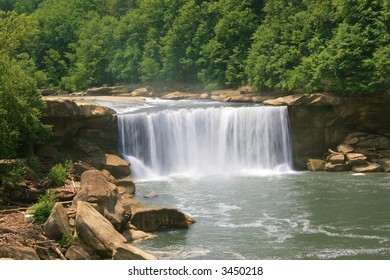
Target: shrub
{"x": 17, "y": 173}
{"x": 58, "y": 174}
{"x": 41, "y": 210}
{"x": 66, "y": 241}
{"x": 34, "y": 163}
{"x": 12, "y": 175}
{"x": 68, "y": 165}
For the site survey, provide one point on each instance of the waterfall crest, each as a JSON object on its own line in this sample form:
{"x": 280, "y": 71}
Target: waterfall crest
{"x": 206, "y": 141}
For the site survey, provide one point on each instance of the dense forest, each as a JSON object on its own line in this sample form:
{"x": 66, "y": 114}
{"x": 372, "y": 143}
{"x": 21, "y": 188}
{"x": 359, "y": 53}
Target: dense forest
{"x": 339, "y": 46}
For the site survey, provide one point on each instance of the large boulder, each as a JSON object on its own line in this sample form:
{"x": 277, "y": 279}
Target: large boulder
{"x": 369, "y": 167}
{"x": 152, "y": 219}
{"x": 336, "y": 158}
{"x": 77, "y": 252}
{"x": 375, "y": 143}
{"x": 344, "y": 148}
{"x": 117, "y": 166}
{"x": 90, "y": 153}
{"x": 79, "y": 132}
{"x": 315, "y": 164}
{"x": 79, "y": 168}
{"x": 98, "y": 234}
{"x": 385, "y": 163}
{"x": 336, "y": 166}
{"x": 134, "y": 235}
{"x": 95, "y": 188}
{"x": 181, "y": 95}
{"x": 125, "y": 185}
{"x": 18, "y": 253}
{"x": 57, "y": 225}
{"x": 356, "y": 159}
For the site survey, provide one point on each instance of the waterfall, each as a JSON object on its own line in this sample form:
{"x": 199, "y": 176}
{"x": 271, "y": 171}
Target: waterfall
{"x": 206, "y": 141}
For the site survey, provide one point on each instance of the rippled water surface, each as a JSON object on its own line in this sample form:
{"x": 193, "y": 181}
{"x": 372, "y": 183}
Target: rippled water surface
{"x": 268, "y": 216}
{"x": 259, "y": 212}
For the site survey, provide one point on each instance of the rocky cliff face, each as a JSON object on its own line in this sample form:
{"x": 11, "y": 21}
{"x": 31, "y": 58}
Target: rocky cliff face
{"x": 80, "y": 132}
{"x": 321, "y": 121}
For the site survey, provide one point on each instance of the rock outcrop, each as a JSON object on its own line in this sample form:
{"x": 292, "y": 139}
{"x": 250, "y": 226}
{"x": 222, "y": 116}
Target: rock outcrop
{"x": 99, "y": 234}
{"x": 117, "y": 166}
{"x": 360, "y": 152}
{"x": 79, "y": 132}
{"x": 57, "y": 225}
{"x": 321, "y": 121}
{"x": 153, "y": 219}
{"x": 18, "y": 253}
{"x": 315, "y": 164}
{"x": 77, "y": 252}
{"x": 95, "y": 188}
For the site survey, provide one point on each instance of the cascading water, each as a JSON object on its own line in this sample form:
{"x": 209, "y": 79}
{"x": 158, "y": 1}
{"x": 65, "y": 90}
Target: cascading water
{"x": 205, "y": 141}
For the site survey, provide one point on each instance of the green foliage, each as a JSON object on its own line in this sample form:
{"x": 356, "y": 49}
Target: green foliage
{"x": 58, "y": 174}
{"x": 68, "y": 165}
{"x": 12, "y": 175}
{"x": 26, "y": 6}
{"x": 41, "y": 210}
{"x": 340, "y": 46}
{"x": 93, "y": 52}
{"x": 20, "y": 104}
{"x": 34, "y": 163}
{"x": 336, "y": 46}
{"x": 66, "y": 241}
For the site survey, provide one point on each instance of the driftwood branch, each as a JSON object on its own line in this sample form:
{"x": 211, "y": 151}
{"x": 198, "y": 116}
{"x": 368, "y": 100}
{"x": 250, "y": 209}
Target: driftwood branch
{"x": 13, "y": 210}
{"x": 59, "y": 253}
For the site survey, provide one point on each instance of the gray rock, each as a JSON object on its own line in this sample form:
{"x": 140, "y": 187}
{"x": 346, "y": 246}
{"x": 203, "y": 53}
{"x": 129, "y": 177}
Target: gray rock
{"x": 77, "y": 252}
{"x": 351, "y": 141}
{"x": 97, "y": 233}
{"x": 18, "y": 253}
{"x": 385, "y": 163}
{"x": 118, "y": 167}
{"x": 134, "y": 235}
{"x": 369, "y": 167}
{"x": 151, "y": 195}
{"x": 95, "y": 188}
{"x": 152, "y": 219}
{"x": 57, "y": 225}
{"x": 315, "y": 164}
{"x": 354, "y": 135}
{"x": 125, "y": 185}
{"x": 335, "y": 158}
{"x": 336, "y": 167}
{"x": 356, "y": 159}
{"x": 344, "y": 148}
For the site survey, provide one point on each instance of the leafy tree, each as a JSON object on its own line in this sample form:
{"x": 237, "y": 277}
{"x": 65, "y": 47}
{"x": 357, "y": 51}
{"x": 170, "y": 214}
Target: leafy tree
{"x": 20, "y": 104}
{"x": 223, "y": 56}
{"x": 93, "y": 52}
{"x": 26, "y": 6}
{"x": 140, "y": 33}
{"x": 349, "y": 60}
{"x": 279, "y": 44}
{"x": 59, "y": 21}
{"x": 329, "y": 45}
{"x": 184, "y": 40}
{"x": 6, "y": 5}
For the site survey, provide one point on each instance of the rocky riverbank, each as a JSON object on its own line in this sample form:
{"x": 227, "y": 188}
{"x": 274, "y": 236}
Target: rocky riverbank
{"x": 318, "y": 122}
{"x": 96, "y": 216}
{"x": 96, "y": 208}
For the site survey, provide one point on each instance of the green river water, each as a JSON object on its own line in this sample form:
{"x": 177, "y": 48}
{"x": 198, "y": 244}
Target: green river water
{"x": 299, "y": 215}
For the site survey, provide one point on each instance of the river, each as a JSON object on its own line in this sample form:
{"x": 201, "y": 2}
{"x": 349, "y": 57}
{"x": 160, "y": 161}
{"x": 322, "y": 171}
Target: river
{"x": 247, "y": 205}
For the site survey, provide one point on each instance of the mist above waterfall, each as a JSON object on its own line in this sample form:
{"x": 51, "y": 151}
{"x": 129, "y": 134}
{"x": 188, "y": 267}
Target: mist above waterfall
{"x": 206, "y": 141}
